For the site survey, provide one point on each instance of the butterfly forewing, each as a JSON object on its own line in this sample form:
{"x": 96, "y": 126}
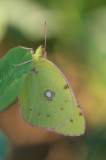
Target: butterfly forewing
{"x": 46, "y": 98}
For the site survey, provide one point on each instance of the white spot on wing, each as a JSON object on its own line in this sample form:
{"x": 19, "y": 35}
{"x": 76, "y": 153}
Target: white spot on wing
{"x": 48, "y": 94}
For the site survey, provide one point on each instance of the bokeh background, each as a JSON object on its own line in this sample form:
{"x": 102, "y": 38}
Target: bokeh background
{"x": 76, "y": 43}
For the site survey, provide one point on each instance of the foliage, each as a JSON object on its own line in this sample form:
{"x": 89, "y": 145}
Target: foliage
{"x": 12, "y": 77}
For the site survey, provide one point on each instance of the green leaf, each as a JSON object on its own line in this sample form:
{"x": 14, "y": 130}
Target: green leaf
{"x": 12, "y": 77}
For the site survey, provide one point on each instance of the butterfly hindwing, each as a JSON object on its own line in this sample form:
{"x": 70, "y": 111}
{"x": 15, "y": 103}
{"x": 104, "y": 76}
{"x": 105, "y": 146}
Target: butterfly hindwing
{"x": 76, "y": 126}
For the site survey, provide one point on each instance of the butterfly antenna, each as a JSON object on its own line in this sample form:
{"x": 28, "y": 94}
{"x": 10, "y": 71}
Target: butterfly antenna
{"x": 45, "y": 36}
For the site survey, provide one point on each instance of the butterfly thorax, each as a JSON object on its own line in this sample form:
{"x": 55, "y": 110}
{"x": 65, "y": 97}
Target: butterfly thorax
{"x": 38, "y": 54}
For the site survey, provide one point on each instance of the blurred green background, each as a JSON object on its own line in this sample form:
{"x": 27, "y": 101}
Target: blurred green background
{"x": 76, "y": 43}
{"x": 4, "y": 146}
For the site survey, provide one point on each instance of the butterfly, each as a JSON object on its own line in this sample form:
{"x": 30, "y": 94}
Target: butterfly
{"x": 47, "y": 100}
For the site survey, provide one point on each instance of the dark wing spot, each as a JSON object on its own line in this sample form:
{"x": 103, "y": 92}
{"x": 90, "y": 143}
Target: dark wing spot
{"x": 53, "y": 93}
{"x": 61, "y": 109}
{"x": 80, "y": 114}
{"x": 66, "y": 86}
{"x": 78, "y": 106}
{"x": 71, "y": 120}
{"x": 34, "y": 70}
{"x": 65, "y": 100}
{"x": 48, "y": 115}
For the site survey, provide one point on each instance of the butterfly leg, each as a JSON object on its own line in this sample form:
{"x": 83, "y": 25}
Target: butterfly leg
{"x": 27, "y": 49}
{"x": 23, "y": 63}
